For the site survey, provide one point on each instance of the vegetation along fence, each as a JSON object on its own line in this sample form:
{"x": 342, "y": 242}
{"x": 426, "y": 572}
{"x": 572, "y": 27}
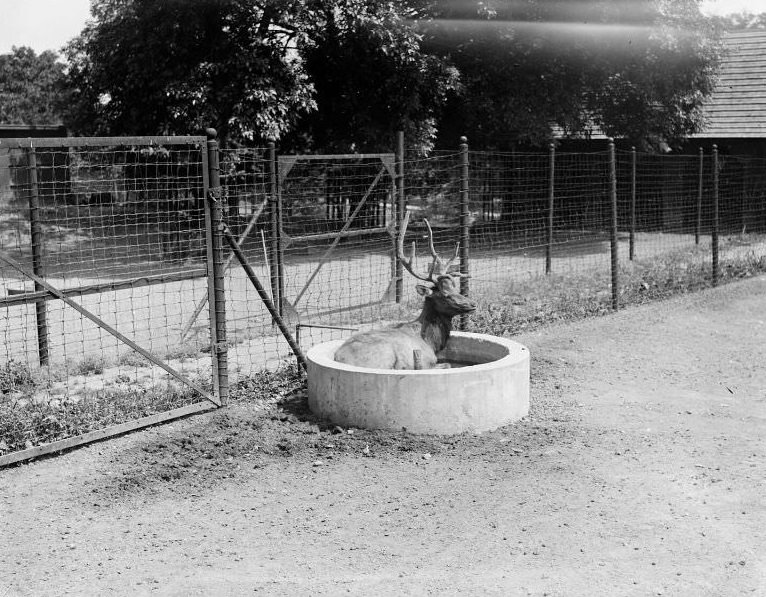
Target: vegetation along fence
{"x": 142, "y": 277}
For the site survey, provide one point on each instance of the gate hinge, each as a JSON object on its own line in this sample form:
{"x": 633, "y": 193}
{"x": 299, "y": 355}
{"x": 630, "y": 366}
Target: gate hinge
{"x": 220, "y": 347}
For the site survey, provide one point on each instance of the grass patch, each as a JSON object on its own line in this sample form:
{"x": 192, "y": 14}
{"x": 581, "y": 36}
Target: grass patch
{"x": 566, "y": 297}
{"x": 27, "y": 423}
{"x": 132, "y": 359}
{"x": 269, "y": 386}
{"x": 16, "y": 377}
{"x": 90, "y": 365}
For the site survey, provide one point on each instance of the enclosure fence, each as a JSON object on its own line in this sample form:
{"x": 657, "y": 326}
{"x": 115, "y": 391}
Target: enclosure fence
{"x": 142, "y": 277}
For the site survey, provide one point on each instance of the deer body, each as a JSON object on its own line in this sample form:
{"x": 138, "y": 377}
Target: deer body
{"x": 387, "y": 348}
{"x": 394, "y": 347}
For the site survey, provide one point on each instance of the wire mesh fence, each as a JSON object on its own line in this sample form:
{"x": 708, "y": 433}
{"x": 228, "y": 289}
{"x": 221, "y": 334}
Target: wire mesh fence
{"x": 110, "y": 253}
{"x": 102, "y": 242}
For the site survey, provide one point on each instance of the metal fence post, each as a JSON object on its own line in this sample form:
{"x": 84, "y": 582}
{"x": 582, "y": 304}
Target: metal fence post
{"x": 551, "y": 192}
{"x": 216, "y": 290}
{"x": 613, "y": 225}
{"x": 714, "y": 230}
{"x": 465, "y": 224}
{"x": 275, "y": 265}
{"x": 633, "y": 193}
{"x": 698, "y": 224}
{"x": 400, "y": 206}
{"x": 36, "y": 233}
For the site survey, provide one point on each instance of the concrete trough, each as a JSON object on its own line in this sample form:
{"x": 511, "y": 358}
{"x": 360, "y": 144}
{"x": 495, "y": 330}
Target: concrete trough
{"x": 492, "y": 390}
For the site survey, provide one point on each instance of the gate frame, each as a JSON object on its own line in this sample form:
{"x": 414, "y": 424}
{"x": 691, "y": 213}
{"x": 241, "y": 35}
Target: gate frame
{"x": 44, "y": 291}
{"x": 388, "y": 165}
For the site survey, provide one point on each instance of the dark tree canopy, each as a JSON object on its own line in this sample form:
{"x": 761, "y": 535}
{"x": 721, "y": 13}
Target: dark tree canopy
{"x": 143, "y": 66}
{"x": 31, "y": 87}
{"x": 335, "y": 73}
{"x": 371, "y": 79}
{"x": 633, "y": 68}
{"x": 344, "y": 75}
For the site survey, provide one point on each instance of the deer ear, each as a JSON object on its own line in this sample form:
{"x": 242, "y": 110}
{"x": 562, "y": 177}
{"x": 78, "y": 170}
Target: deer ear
{"x": 424, "y": 290}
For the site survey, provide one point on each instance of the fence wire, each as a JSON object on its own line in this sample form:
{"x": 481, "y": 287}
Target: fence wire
{"x": 121, "y": 226}
{"x": 120, "y": 230}
{"x": 321, "y": 245}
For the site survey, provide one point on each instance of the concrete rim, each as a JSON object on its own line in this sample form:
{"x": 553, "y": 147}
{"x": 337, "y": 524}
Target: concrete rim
{"x": 324, "y": 355}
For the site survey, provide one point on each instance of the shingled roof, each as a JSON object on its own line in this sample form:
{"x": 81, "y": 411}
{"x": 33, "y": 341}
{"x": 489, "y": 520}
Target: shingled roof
{"x": 737, "y": 107}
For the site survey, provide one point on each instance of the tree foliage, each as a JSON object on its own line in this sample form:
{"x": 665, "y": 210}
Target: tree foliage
{"x": 335, "y": 73}
{"x": 170, "y": 67}
{"x": 740, "y": 21}
{"x": 371, "y": 79}
{"x": 639, "y": 69}
{"x": 344, "y": 75}
{"x": 32, "y": 87}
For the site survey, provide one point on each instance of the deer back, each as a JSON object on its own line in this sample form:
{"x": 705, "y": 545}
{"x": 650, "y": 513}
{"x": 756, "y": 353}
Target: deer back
{"x": 387, "y": 348}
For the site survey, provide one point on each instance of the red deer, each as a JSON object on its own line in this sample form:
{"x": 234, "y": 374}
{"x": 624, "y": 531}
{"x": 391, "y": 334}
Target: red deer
{"x": 394, "y": 347}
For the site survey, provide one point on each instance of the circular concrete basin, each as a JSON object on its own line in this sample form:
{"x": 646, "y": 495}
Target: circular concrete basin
{"x": 491, "y": 390}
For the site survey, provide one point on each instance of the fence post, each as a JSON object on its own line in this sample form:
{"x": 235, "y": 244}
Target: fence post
{"x": 216, "y": 290}
{"x": 399, "y": 208}
{"x": 465, "y": 224}
{"x": 36, "y": 233}
{"x": 613, "y": 225}
{"x": 275, "y": 265}
{"x": 551, "y": 191}
{"x": 714, "y": 230}
{"x": 633, "y": 193}
{"x": 698, "y": 224}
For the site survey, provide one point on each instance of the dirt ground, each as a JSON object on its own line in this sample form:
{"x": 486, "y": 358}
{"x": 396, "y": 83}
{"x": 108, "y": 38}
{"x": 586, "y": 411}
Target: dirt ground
{"x": 639, "y": 471}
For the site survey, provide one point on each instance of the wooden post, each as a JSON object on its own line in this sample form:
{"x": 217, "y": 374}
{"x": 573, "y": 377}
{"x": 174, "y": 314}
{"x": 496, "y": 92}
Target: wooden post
{"x": 714, "y": 230}
{"x": 698, "y": 225}
{"x": 216, "y": 290}
{"x": 37, "y": 257}
{"x": 465, "y": 225}
{"x": 551, "y": 191}
{"x": 633, "y": 193}
{"x": 399, "y": 209}
{"x": 613, "y": 225}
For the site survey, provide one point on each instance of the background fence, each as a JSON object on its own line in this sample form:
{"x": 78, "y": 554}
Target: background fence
{"x": 131, "y": 231}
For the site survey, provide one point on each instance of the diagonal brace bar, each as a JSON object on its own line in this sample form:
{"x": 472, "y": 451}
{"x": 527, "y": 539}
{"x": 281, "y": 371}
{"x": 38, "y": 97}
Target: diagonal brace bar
{"x": 240, "y": 255}
{"x": 331, "y": 248}
{"x": 105, "y": 326}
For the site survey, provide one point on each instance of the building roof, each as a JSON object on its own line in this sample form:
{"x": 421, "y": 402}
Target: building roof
{"x": 737, "y": 106}
{"x": 22, "y": 131}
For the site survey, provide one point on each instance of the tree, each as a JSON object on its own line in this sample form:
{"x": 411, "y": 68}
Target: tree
{"x": 145, "y": 67}
{"x": 371, "y": 79}
{"x": 742, "y": 20}
{"x": 335, "y": 74}
{"x": 638, "y": 69}
{"x": 31, "y": 87}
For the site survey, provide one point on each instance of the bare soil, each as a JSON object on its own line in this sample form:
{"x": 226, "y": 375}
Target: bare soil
{"x": 639, "y": 471}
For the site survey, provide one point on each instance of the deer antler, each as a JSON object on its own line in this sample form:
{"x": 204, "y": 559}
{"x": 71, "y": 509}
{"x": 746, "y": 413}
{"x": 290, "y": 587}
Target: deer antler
{"x": 407, "y": 263}
{"x": 438, "y": 267}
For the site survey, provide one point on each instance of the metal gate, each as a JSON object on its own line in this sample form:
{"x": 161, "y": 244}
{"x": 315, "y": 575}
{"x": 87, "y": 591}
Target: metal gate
{"x": 106, "y": 247}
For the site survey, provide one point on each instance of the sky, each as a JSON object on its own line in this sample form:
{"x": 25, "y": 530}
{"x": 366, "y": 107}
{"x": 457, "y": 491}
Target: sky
{"x": 49, "y": 24}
